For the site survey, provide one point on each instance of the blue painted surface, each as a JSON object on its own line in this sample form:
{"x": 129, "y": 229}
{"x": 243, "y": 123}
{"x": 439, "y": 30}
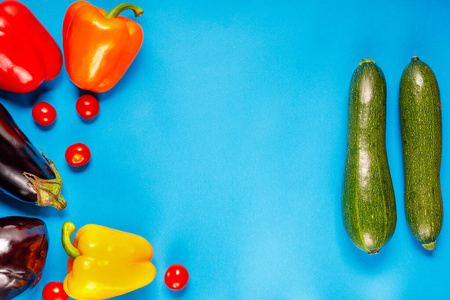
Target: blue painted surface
{"x": 224, "y": 145}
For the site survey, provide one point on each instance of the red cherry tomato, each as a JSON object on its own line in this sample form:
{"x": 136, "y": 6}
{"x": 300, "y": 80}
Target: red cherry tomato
{"x": 78, "y": 155}
{"x": 43, "y": 113}
{"x": 54, "y": 291}
{"x": 87, "y": 106}
{"x": 176, "y": 278}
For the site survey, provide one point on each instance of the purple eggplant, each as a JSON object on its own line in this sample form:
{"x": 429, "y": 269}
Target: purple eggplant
{"x": 26, "y": 174}
{"x": 23, "y": 251}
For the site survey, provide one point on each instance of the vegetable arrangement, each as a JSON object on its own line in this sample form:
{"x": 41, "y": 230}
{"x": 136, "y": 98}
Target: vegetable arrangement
{"x": 368, "y": 202}
{"x": 98, "y": 49}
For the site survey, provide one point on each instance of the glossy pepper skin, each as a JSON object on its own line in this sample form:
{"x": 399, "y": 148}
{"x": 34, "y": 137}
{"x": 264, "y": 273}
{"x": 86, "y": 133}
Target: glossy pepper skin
{"x": 24, "y": 245}
{"x": 25, "y": 174}
{"x": 98, "y": 46}
{"x": 105, "y": 263}
{"x": 28, "y": 53}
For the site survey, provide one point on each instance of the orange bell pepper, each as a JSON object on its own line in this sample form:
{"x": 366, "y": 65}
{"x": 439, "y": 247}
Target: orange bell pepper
{"x": 98, "y": 46}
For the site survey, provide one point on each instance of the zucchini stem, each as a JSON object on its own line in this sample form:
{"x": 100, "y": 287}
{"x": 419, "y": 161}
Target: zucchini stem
{"x": 366, "y": 60}
{"x": 430, "y": 246}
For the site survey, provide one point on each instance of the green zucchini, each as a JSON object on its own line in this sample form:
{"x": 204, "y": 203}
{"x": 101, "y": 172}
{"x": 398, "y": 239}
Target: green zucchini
{"x": 421, "y": 128}
{"x": 368, "y": 200}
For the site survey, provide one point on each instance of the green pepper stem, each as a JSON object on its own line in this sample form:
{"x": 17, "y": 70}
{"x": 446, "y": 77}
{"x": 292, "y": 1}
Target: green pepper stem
{"x": 124, "y": 6}
{"x": 67, "y": 230}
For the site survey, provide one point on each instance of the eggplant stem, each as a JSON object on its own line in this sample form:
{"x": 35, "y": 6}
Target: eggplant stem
{"x": 48, "y": 190}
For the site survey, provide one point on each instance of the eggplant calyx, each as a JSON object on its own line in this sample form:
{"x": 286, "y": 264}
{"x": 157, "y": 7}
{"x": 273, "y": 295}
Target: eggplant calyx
{"x": 48, "y": 190}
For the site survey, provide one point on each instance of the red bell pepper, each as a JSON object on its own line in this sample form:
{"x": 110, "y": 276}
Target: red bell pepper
{"x": 28, "y": 53}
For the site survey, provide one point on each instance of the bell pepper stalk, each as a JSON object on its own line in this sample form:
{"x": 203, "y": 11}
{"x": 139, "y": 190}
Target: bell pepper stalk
{"x": 28, "y": 53}
{"x": 99, "y": 46}
{"x": 104, "y": 262}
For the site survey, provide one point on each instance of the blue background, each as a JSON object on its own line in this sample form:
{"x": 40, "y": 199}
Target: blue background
{"x": 224, "y": 146}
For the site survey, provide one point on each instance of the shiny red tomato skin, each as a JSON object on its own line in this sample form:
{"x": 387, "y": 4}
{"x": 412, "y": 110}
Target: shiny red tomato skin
{"x": 44, "y": 113}
{"x": 177, "y": 277}
{"x": 87, "y": 106}
{"x": 78, "y": 155}
{"x": 54, "y": 291}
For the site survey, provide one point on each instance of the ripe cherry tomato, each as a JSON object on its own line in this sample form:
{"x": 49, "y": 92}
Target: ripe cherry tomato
{"x": 78, "y": 155}
{"x": 43, "y": 113}
{"x": 87, "y": 106}
{"x": 176, "y": 278}
{"x": 54, "y": 291}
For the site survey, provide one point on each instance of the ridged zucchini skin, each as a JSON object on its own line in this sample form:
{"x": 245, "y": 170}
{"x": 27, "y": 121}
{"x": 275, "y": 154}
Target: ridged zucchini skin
{"x": 421, "y": 129}
{"x": 368, "y": 200}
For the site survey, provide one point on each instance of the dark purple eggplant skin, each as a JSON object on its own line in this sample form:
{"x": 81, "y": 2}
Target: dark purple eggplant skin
{"x": 23, "y": 251}
{"x": 26, "y": 174}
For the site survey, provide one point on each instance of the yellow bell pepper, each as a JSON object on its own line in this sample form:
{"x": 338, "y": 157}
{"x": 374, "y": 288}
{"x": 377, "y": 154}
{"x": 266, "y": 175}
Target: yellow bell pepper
{"x": 105, "y": 263}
